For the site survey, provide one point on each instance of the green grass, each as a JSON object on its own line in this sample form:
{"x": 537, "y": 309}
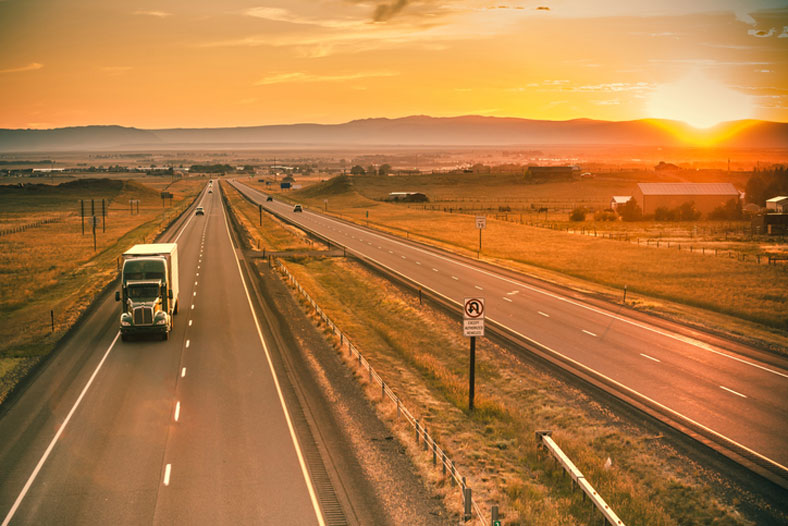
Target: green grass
{"x": 422, "y": 355}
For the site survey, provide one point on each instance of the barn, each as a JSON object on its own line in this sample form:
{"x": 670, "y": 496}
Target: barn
{"x": 706, "y": 196}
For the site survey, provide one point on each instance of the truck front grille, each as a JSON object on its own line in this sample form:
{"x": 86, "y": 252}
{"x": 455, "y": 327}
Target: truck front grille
{"x": 143, "y": 316}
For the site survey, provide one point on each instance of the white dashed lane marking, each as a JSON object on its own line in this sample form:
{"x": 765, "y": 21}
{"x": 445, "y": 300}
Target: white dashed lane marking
{"x": 733, "y": 392}
{"x": 589, "y": 333}
{"x": 650, "y": 358}
{"x": 543, "y": 314}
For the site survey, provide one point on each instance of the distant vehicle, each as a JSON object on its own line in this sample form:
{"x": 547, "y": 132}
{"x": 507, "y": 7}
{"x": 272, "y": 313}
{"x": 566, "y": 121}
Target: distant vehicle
{"x": 269, "y": 198}
{"x": 199, "y": 211}
{"x": 210, "y": 191}
{"x": 149, "y": 290}
{"x": 298, "y": 208}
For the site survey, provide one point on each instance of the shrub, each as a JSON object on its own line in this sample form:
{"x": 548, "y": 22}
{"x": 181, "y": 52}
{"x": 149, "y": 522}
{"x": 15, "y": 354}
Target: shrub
{"x": 730, "y": 210}
{"x": 605, "y": 215}
{"x": 578, "y": 214}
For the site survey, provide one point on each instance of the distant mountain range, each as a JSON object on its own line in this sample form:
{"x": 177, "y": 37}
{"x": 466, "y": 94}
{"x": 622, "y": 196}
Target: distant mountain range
{"x": 407, "y": 132}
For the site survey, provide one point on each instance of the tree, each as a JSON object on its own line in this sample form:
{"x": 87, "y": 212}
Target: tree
{"x": 730, "y": 210}
{"x": 630, "y": 211}
{"x": 384, "y": 169}
{"x": 687, "y": 212}
{"x": 357, "y": 170}
{"x": 371, "y": 170}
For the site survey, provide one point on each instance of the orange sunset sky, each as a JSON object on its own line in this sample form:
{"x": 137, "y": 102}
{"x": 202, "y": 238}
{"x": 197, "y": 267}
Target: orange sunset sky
{"x": 198, "y": 63}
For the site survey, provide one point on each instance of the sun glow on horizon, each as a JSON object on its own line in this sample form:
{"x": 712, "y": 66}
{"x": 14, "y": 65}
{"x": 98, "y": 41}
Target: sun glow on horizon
{"x": 699, "y": 101}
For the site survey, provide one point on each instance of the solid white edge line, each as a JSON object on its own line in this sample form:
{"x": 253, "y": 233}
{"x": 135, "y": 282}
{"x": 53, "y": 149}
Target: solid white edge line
{"x": 732, "y": 391}
{"x": 167, "y": 471}
{"x": 301, "y": 462}
{"x": 677, "y": 337}
{"x": 49, "y": 448}
{"x": 650, "y": 358}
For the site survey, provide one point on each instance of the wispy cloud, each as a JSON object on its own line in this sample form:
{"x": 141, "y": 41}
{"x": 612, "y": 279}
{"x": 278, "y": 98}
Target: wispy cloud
{"x": 30, "y": 67}
{"x": 157, "y": 14}
{"x": 278, "y": 14}
{"x": 300, "y": 77}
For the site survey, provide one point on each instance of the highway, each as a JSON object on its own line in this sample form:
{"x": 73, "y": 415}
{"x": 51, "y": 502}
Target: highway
{"x": 193, "y": 430}
{"x": 740, "y": 398}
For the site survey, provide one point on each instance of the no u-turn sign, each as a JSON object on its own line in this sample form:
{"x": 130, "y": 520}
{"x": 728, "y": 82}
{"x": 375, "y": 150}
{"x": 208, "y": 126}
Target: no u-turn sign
{"x": 473, "y": 317}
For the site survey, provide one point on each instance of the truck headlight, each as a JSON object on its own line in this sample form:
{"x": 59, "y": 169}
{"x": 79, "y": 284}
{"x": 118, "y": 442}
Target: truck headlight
{"x": 161, "y": 318}
{"x": 125, "y": 320}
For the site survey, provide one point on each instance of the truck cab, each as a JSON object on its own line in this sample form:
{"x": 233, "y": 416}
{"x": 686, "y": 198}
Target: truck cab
{"x": 149, "y": 290}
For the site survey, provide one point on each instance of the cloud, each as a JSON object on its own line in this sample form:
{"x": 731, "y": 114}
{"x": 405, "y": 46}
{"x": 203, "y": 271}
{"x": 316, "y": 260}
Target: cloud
{"x": 384, "y": 12}
{"x": 30, "y": 67}
{"x": 300, "y": 77}
{"x": 157, "y": 14}
{"x": 760, "y": 33}
{"x": 278, "y": 14}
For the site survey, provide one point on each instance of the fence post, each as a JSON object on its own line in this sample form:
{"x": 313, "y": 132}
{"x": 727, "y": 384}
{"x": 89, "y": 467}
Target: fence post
{"x": 468, "y": 502}
{"x": 494, "y": 516}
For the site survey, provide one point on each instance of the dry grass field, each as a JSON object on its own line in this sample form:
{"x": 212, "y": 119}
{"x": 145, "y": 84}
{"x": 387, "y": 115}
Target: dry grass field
{"x": 655, "y": 277}
{"x": 421, "y": 354}
{"x": 53, "y": 267}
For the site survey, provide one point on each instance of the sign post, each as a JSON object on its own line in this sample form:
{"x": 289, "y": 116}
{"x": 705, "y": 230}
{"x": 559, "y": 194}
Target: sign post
{"x": 481, "y": 224}
{"x": 472, "y": 326}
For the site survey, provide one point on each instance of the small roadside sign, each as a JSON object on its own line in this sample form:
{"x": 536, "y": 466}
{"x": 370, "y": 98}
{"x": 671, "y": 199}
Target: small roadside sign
{"x": 481, "y": 222}
{"x": 473, "y": 317}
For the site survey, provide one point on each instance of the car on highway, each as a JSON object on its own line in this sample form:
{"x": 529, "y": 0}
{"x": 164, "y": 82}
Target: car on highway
{"x": 269, "y": 198}
{"x": 298, "y": 208}
{"x": 199, "y": 211}
{"x": 210, "y": 191}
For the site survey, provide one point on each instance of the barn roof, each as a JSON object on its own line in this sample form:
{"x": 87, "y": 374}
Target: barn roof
{"x": 778, "y": 199}
{"x": 688, "y": 189}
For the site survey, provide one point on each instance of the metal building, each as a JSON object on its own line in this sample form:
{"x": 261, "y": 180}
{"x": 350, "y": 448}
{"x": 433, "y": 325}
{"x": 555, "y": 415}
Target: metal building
{"x": 706, "y": 196}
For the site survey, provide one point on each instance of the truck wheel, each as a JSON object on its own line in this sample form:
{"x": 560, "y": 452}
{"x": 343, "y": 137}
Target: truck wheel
{"x": 175, "y": 310}
{"x": 165, "y": 336}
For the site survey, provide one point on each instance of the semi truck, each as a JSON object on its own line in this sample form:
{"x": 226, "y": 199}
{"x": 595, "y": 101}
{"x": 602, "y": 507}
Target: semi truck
{"x": 149, "y": 290}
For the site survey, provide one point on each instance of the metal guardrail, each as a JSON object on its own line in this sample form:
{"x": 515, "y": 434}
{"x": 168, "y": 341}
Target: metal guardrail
{"x": 577, "y": 477}
{"x": 472, "y": 511}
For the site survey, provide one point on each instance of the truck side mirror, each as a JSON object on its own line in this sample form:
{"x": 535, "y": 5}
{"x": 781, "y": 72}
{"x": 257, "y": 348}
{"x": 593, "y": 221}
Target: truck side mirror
{"x": 169, "y": 295}
{"x": 117, "y": 295}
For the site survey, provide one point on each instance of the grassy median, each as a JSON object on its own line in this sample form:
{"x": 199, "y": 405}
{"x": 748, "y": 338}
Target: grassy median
{"x": 421, "y": 354}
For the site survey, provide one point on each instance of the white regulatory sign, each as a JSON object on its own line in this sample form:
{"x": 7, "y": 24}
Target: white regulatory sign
{"x": 481, "y": 222}
{"x": 473, "y": 317}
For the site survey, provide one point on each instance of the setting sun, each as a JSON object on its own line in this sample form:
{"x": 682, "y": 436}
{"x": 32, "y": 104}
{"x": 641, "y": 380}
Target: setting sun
{"x": 699, "y": 101}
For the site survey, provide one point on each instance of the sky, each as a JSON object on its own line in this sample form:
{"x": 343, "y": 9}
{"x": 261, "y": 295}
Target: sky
{"x": 200, "y": 63}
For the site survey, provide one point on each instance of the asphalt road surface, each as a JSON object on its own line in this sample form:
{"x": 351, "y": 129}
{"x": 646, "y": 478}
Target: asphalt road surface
{"x": 192, "y": 430}
{"x": 739, "y": 397}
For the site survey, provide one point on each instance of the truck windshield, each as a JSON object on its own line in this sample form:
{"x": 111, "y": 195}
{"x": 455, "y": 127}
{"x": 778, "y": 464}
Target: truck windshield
{"x": 143, "y": 292}
{"x": 143, "y": 269}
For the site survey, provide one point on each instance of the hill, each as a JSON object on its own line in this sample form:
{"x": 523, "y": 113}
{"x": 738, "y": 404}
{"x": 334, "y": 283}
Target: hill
{"x": 414, "y": 131}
